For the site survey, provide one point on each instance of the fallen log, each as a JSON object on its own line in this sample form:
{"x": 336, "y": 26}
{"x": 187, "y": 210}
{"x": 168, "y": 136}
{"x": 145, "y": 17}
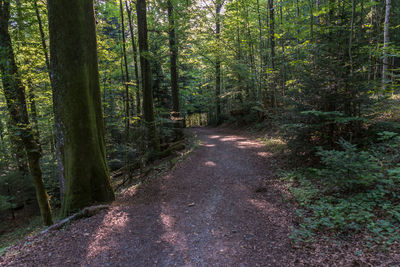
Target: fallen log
{"x": 85, "y": 213}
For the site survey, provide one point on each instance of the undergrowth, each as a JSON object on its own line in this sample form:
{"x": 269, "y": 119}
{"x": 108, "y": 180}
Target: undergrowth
{"x": 10, "y": 238}
{"x": 352, "y": 192}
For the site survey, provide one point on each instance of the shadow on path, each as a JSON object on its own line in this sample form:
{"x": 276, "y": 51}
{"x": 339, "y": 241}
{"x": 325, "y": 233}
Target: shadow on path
{"x": 205, "y": 212}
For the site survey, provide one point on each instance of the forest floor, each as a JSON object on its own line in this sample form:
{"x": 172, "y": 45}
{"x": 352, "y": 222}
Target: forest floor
{"x": 218, "y": 207}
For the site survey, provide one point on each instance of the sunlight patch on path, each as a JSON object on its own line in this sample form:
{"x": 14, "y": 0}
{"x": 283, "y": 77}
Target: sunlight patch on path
{"x": 176, "y": 239}
{"x": 210, "y": 164}
{"x": 271, "y": 212}
{"x": 113, "y": 222}
{"x": 264, "y": 154}
{"x": 208, "y": 145}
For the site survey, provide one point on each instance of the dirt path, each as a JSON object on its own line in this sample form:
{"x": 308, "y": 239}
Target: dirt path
{"x": 206, "y": 212}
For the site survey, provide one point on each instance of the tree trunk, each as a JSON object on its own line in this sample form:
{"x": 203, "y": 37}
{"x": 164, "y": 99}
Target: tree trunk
{"x": 297, "y": 29}
{"x": 385, "y": 44}
{"x": 16, "y": 103}
{"x": 125, "y": 79}
{"x": 42, "y": 37}
{"x": 56, "y": 135}
{"x": 353, "y": 10}
{"x": 218, "y": 63}
{"x": 283, "y": 53}
{"x": 134, "y": 50}
{"x": 148, "y": 106}
{"x": 370, "y": 40}
{"x": 272, "y": 44}
{"x": 260, "y": 51}
{"x": 173, "y": 48}
{"x": 250, "y": 90}
{"x": 32, "y": 105}
{"x": 77, "y": 104}
{"x": 239, "y": 49}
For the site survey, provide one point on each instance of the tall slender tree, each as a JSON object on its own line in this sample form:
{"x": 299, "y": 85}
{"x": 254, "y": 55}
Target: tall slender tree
{"x": 125, "y": 79}
{"x": 148, "y": 106}
{"x": 77, "y": 103}
{"x": 272, "y": 47}
{"x": 134, "y": 51}
{"x": 218, "y": 8}
{"x": 14, "y": 93}
{"x": 60, "y": 171}
{"x": 173, "y": 53}
{"x": 386, "y": 43}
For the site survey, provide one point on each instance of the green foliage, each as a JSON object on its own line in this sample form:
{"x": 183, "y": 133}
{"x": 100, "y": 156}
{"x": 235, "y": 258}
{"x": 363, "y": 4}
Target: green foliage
{"x": 34, "y": 225}
{"x": 323, "y": 88}
{"x": 349, "y": 169}
{"x": 17, "y": 189}
{"x": 353, "y": 191}
{"x": 314, "y": 129}
{"x": 6, "y": 203}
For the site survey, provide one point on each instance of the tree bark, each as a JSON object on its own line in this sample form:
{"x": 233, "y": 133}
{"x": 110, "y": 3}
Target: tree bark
{"x": 218, "y": 62}
{"x": 297, "y": 29}
{"x": 56, "y": 135}
{"x": 272, "y": 47}
{"x": 252, "y": 67}
{"x": 125, "y": 79}
{"x": 173, "y": 48}
{"x": 14, "y": 93}
{"x": 42, "y": 37}
{"x": 260, "y": 51}
{"x": 385, "y": 43}
{"x": 134, "y": 51}
{"x": 77, "y": 103}
{"x": 148, "y": 106}
{"x": 283, "y": 52}
{"x": 353, "y": 10}
{"x": 32, "y": 105}
{"x": 272, "y": 31}
{"x": 370, "y": 40}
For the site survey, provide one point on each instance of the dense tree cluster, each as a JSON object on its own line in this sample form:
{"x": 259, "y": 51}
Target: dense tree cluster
{"x": 86, "y": 91}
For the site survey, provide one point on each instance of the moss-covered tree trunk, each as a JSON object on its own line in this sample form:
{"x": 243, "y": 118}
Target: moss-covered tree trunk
{"x": 14, "y": 93}
{"x": 77, "y": 103}
{"x": 148, "y": 106}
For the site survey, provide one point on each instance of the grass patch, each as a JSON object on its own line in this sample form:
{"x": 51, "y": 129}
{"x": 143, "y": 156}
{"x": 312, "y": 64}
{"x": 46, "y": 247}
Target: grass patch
{"x": 274, "y": 144}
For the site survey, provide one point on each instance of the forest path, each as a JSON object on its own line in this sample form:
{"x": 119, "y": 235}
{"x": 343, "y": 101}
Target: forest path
{"x": 205, "y": 212}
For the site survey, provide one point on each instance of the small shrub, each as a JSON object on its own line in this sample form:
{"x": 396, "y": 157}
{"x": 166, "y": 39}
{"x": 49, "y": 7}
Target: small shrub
{"x": 354, "y": 191}
{"x": 349, "y": 169}
{"x": 312, "y": 129}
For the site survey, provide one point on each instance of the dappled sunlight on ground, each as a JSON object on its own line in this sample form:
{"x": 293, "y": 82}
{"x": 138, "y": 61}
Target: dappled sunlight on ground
{"x": 207, "y": 211}
{"x": 127, "y": 193}
{"x": 248, "y": 144}
{"x": 175, "y": 238}
{"x": 264, "y": 206}
{"x": 264, "y": 154}
{"x": 208, "y": 145}
{"x": 210, "y": 164}
{"x": 113, "y": 223}
{"x": 241, "y": 142}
